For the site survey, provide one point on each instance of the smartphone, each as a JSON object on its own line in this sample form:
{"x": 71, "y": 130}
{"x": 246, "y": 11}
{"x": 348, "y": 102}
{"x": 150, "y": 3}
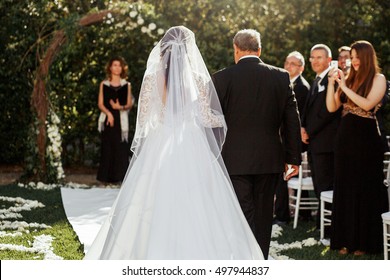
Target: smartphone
{"x": 334, "y": 64}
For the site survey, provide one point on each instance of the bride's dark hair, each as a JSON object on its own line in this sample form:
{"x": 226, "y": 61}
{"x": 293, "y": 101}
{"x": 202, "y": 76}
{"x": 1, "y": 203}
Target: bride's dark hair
{"x": 174, "y": 35}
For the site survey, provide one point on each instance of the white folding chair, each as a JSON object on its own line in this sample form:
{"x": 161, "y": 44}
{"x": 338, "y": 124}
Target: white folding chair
{"x": 386, "y": 171}
{"x": 303, "y": 182}
{"x": 386, "y": 234}
{"x": 326, "y": 214}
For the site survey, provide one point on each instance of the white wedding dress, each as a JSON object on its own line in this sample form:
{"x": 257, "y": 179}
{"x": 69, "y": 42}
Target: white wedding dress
{"x": 176, "y": 201}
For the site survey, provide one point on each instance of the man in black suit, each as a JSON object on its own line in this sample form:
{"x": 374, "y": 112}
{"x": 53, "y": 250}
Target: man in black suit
{"x": 319, "y": 127}
{"x": 257, "y": 100}
{"x": 295, "y": 65}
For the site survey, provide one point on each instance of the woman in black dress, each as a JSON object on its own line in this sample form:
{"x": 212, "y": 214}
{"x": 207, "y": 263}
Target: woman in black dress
{"x": 115, "y": 101}
{"x": 359, "y": 194}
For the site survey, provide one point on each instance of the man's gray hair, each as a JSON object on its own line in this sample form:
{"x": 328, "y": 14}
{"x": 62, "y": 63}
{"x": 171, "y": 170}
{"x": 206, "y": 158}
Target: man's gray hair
{"x": 247, "y": 40}
{"x": 298, "y": 56}
{"x": 322, "y": 47}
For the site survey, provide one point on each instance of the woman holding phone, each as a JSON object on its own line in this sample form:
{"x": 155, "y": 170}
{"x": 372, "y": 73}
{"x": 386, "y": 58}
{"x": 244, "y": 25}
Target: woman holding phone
{"x": 359, "y": 194}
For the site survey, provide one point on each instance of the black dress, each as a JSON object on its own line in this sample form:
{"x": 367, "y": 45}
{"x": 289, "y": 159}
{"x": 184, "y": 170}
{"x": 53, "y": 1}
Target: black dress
{"x": 115, "y": 154}
{"x": 359, "y": 193}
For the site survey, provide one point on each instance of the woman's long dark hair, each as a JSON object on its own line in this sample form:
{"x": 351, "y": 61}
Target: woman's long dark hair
{"x": 361, "y": 81}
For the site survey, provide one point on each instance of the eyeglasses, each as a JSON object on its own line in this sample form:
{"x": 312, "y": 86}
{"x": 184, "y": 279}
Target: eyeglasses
{"x": 286, "y": 63}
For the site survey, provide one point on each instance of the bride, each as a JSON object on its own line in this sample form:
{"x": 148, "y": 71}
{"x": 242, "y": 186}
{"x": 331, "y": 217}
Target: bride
{"x": 176, "y": 201}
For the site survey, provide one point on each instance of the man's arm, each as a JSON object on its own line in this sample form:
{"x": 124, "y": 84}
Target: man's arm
{"x": 291, "y": 127}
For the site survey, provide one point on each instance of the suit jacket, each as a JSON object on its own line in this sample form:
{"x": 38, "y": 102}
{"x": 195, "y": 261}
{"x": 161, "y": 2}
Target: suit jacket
{"x": 301, "y": 89}
{"x": 256, "y": 100}
{"x": 320, "y": 124}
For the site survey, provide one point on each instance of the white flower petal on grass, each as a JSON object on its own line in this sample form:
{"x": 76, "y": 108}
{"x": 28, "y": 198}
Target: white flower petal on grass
{"x": 275, "y": 249}
{"x": 152, "y": 26}
{"x": 20, "y": 226}
{"x": 10, "y": 234}
{"x": 283, "y": 257}
{"x": 42, "y": 245}
{"x": 20, "y": 205}
{"x": 310, "y": 242}
{"x": 10, "y": 216}
{"x": 276, "y": 231}
{"x": 42, "y": 186}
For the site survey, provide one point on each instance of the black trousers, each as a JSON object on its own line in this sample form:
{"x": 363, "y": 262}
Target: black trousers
{"x": 256, "y": 196}
{"x": 322, "y": 172}
{"x": 282, "y": 208}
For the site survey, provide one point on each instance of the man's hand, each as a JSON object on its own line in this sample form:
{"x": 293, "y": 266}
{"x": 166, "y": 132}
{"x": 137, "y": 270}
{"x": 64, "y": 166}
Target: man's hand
{"x": 290, "y": 171}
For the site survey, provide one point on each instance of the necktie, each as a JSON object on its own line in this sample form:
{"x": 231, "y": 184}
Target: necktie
{"x": 315, "y": 85}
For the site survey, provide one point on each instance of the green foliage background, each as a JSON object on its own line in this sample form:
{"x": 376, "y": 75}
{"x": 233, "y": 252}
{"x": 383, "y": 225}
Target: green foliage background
{"x": 26, "y": 28}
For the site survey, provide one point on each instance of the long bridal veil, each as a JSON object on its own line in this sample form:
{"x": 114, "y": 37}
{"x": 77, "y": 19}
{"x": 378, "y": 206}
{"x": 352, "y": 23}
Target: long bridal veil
{"x": 176, "y": 87}
{"x": 176, "y": 201}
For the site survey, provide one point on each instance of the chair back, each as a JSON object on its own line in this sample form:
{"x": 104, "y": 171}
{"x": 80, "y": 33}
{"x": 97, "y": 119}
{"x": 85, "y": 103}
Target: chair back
{"x": 386, "y": 171}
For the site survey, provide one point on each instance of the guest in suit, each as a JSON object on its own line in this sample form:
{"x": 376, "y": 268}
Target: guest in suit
{"x": 319, "y": 126}
{"x": 257, "y": 100}
{"x": 295, "y": 65}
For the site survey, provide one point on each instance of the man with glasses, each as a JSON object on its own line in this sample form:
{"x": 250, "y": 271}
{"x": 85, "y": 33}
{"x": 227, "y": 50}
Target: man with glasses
{"x": 294, "y": 64}
{"x": 319, "y": 127}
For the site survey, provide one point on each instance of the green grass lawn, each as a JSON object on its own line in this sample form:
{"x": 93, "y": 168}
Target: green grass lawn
{"x": 66, "y": 244}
